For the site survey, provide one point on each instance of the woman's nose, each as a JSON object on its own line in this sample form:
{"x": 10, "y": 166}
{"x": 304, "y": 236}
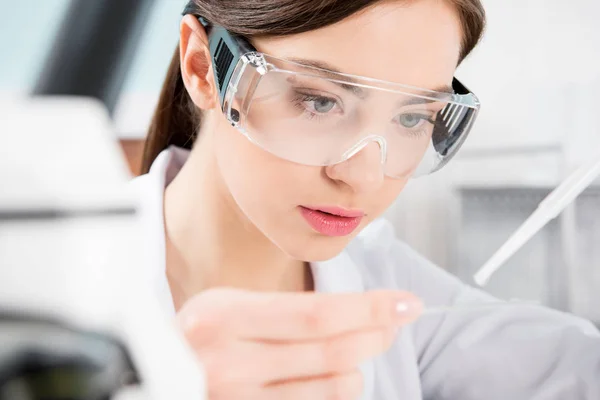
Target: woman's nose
{"x": 364, "y": 171}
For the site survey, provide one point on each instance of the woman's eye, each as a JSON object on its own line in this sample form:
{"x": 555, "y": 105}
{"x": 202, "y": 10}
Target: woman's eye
{"x": 313, "y": 105}
{"x": 323, "y": 104}
{"x": 411, "y": 120}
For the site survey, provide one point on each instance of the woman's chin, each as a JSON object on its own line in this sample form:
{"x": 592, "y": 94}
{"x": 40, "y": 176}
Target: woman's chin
{"x": 316, "y": 249}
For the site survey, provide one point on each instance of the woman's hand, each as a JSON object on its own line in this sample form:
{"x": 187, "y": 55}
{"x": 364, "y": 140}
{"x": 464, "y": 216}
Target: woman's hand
{"x": 272, "y": 346}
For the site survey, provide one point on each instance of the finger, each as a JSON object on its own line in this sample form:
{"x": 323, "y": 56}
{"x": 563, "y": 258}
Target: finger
{"x": 333, "y": 355}
{"x": 304, "y": 316}
{"x": 342, "y": 386}
{"x": 249, "y": 363}
{"x": 297, "y": 316}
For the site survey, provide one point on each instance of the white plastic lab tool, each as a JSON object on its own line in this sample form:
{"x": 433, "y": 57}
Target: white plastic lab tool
{"x": 471, "y": 307}
{"x": 548, "y": 209}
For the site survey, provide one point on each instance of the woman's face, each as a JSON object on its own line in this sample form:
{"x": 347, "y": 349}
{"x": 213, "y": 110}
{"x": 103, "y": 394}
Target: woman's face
{"x": 415, "y": 43}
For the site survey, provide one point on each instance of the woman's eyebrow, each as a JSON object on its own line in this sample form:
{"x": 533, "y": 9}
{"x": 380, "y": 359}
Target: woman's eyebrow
{"x": 415, "y": 101}
{"x": 330, "y": 71}
{"x": 444, "y": 89}
{"x": 326, "y": 67}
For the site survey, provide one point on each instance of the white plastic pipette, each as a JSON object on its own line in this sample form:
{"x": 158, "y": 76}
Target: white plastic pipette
{"x": 470, "y": 307}
{"x": 548, "y": 209}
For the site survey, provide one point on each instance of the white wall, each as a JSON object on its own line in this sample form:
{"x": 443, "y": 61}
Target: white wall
{"x": 536, "y": 58}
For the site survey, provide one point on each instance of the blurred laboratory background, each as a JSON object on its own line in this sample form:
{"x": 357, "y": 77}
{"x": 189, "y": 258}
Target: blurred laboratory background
{"x": 537, "y": 74}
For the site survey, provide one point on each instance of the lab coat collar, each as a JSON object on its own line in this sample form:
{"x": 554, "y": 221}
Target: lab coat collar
{"x": 337, "y": 275}
{"x": 153, "y": 200}
{"x": 341, "y": 275}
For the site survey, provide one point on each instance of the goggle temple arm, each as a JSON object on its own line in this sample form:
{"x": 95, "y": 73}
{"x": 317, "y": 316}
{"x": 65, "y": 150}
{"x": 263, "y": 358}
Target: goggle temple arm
{"x": 226, "y": 49}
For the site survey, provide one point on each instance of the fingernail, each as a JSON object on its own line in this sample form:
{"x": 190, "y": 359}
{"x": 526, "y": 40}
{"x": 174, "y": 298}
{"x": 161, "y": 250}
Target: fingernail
{"x": 405, "y": 308}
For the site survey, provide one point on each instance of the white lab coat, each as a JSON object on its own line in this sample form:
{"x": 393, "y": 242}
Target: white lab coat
{"x": 516, "y": 353}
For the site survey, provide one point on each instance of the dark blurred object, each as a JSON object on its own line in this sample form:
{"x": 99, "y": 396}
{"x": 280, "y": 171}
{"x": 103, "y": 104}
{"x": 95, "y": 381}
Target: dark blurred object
{"x": 94, "y": 49}
{"x": 45, "y": 360}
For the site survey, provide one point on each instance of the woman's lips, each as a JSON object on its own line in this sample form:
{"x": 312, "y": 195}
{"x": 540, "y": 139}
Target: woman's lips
{"x": 332, "y": 221}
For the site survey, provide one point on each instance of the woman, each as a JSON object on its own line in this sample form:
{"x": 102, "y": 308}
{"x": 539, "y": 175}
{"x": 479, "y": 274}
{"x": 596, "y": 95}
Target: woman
{"x": 285, "y": 128}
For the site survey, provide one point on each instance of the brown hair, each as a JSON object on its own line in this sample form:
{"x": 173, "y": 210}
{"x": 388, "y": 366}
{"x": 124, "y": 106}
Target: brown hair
{"x": 176, "y": 119}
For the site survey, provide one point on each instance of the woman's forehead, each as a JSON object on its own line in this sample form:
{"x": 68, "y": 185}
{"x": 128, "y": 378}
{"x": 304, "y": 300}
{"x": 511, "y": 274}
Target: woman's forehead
{"x": 415, "y": 43}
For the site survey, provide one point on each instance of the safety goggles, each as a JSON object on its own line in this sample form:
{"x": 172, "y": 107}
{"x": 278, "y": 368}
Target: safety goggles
{"x": 313, "y": 116}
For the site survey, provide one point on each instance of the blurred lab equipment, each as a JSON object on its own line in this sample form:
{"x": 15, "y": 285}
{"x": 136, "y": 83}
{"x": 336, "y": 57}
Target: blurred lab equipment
{"x": 94, "y": 49}
{"x": 548, "y": 209}
{"x": 77, "y": 321}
